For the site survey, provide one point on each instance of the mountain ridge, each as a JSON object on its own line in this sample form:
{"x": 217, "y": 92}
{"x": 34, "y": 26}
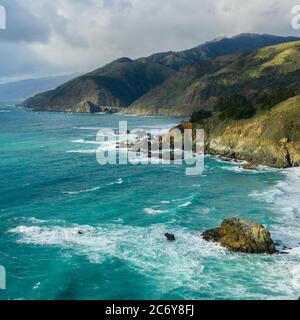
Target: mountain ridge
{"x": 123, "y": 82}
{"x": 194, "y": 88}
{"x": 23, "y": 89}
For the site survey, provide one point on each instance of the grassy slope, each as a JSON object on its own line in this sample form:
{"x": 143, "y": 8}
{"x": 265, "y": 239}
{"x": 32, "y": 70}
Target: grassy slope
{"x": 192, "y": 89}
{"x": 242, "y": 43}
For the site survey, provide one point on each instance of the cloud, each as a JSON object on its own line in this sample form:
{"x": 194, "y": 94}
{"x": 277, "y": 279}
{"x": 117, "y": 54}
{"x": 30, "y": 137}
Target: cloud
{"x": 22, "y": 24}
{"x": 61, "y": 36}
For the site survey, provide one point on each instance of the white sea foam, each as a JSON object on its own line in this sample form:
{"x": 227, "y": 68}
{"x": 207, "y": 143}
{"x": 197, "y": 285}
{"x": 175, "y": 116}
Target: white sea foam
{"x": 119, "y": 181}
{"x": 82, "y": 141}
{"x": 208, "y": 210}
{"x": 91, "y": 128}
{"x": 152, "y": 211}
{"x": 224, "y": 160}
{"x": 240, "y": 169}
{"x": 187, "y": 263}
{"x": 285, "y": 196}
{"x": 84, "y": 151}
{"x": 186, "y": 204}
{"x": 82, "y": 191}
{"x": 144, "y": 248}
{"x": 284, "y": 200}
{"x": 183, "y": 199}
{"x": 37, "y": 221}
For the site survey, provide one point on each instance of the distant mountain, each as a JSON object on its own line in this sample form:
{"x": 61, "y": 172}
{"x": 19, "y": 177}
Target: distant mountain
{"x": 135, "y": 83}
{"x": 20, "y": 90}
{"x": 200, "y": 85}
{"x": 243, "y": 43}
{"x": 117, "y": 84}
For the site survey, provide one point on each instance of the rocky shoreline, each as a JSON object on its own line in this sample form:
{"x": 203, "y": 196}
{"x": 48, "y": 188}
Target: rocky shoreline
{"x": 271, "y": 139}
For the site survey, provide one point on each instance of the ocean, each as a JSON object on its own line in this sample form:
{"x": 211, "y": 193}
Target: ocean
{"x": 73, "y": 229}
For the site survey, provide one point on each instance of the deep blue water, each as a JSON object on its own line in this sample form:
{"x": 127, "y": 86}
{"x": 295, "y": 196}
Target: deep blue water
{"x": 51, "y": 186}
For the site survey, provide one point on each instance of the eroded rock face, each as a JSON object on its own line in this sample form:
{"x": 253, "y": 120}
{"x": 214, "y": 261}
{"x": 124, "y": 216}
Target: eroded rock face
{"x": 250, "y": 166}
{"x": 242, "y": 235}
{"x": 87, "y": 106}
{"x": 271, "y": 139}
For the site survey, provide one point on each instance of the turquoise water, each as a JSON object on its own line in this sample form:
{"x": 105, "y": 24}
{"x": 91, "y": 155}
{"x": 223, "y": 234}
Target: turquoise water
{"x": 51, "y": 186}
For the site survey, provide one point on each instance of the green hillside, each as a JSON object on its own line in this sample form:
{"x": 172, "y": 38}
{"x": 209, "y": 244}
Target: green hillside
{"x": 200, "y": 86}
{"x": 117, "y": 84}
{"x": 124, "y": 81}
{"x": 243, "y": 43}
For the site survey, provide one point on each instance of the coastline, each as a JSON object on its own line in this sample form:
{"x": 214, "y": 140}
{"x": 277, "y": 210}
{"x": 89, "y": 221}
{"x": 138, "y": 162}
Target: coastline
{"x": 221, "y": 144}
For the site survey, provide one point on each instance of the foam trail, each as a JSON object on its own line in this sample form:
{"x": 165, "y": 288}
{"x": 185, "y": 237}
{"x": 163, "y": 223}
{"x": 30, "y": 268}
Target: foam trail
{"x": 82, "y": 191}
{"x": 82, "y": 141}
{"x": 185, "y": 204}
{"x": 152, "y": 211}
{"x": 119, "y": 181}
{"x": 87, "y": 151}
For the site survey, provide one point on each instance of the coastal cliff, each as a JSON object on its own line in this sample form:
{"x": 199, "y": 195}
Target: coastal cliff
{"x": 269, "y": 138}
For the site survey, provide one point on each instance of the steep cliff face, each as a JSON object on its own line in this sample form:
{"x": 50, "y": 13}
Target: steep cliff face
{"x": 271, "y": 139}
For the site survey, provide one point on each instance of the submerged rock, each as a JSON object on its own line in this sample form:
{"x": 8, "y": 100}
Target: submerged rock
{"x": 170, "y": 237}
{"x": 242, "y": 235}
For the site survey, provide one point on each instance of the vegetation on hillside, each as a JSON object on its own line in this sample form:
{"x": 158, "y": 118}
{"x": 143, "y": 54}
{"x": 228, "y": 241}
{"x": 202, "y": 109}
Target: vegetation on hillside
{"x": 274, "y": 71}
{"x": 198, "y": 116}
{"x": 235, "y": 107}
{"x": 117, "y": 84}
{"x": 271, "y": 98}
{"x": 173, "y": 79}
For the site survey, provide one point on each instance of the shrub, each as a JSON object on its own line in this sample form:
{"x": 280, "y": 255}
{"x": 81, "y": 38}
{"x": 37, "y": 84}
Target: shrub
{"x": 234, "y": 107}
{"x": 200, "y": 115}
{"x": 270, "y": 99}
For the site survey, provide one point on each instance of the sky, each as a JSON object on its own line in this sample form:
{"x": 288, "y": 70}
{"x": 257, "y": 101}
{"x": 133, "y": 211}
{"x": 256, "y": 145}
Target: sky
{"x": 55, "y": 37}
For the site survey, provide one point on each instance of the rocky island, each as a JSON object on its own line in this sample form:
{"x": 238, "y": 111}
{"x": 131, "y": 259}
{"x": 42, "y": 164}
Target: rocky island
{"x": 242, "y": 235}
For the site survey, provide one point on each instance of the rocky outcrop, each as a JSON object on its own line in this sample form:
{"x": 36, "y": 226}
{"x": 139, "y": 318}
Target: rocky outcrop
{"x": 269, "y": 139}
{"x": 250, "y": 166}
{"x": 170, "y": 236}
{"x": 242, "y": 235}
{"x": 86, "y": 107}
{"x": 89, "y": 107}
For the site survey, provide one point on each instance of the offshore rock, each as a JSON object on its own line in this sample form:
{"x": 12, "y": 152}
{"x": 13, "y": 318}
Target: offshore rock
{"x": 242, "y": 235}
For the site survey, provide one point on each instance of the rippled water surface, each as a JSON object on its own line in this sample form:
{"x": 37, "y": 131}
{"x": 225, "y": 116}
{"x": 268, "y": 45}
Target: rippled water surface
{"x": 72, "y": 229}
